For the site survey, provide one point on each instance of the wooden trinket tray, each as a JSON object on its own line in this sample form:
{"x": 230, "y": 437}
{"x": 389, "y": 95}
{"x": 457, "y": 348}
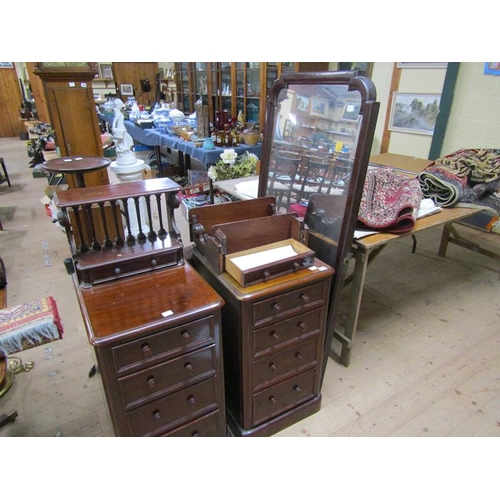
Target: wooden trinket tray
{"x": 224, "y": 234}
{"x": 259, "y": 264}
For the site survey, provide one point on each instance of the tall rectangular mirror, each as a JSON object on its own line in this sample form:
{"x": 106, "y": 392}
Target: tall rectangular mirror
{"x": 316, "y": 149}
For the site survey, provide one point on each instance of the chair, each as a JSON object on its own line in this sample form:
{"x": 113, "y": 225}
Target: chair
{"x": 5, "y": 177}
{"x": 315, "y": 176}
{"x": 283, "y": 176}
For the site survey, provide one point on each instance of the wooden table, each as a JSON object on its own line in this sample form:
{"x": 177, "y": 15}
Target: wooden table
{"x": 77, "y": 166}
{"x": 365, "y": 250}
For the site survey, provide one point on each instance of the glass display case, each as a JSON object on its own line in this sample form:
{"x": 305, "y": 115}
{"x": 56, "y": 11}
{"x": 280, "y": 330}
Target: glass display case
{"x": 234, "y": 87}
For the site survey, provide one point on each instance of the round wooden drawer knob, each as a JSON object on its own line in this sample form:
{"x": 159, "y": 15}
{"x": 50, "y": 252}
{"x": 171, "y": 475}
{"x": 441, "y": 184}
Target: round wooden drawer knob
{"x": 146, "y": 350}
{"x": 151, "y": 382}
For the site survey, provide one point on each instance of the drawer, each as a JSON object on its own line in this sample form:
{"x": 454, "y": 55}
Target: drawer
{"x": 172, "y": 410}
{"x": 96, "y": 274}
{"x": 285, "y": 331}
{"x": 166, "y": 377}
{"x": 208, "y": 426}
{"x": 285, "y": 363}
{"x": 283, "y": 396}
{"x": 287, "y": 304}
{"x": 163, "y": 345}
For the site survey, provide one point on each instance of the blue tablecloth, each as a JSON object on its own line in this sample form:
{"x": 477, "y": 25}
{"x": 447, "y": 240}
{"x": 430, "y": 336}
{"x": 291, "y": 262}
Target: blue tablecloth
{"x": 153, "y": 137}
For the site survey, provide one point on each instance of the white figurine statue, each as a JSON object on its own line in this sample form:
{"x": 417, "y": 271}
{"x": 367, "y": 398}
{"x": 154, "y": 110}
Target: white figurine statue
{"x": 123, "y": 141}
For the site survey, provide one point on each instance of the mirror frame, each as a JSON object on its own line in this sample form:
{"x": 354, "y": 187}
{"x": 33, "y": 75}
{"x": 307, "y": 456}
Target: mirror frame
{"x": 369, "y": 113}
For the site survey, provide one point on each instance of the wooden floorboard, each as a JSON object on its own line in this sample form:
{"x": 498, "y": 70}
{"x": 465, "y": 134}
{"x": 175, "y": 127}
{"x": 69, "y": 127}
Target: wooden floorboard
{"x": 425, "y": 361}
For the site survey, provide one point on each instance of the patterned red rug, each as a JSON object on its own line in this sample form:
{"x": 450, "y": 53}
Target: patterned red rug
{"x": 389, "y": 202}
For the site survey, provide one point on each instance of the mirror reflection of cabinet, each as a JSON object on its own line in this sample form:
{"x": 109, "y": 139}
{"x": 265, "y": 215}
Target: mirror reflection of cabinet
{"x": 234, "y": 86}
{"x": 314, "y": 160}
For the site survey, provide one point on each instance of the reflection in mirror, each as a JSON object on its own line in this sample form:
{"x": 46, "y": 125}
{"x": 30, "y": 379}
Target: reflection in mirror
{"x": 314, "y": 142}
{"x": 315, "y": 155}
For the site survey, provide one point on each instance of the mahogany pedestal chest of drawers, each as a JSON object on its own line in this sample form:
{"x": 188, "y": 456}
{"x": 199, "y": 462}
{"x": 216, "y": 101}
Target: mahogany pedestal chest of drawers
{"x": 157, "y": 341}
{"x": 273, "y": 335}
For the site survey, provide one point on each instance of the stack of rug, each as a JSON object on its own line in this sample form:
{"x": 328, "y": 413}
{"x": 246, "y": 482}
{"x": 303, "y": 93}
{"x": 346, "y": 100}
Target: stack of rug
{"x": 29, "y": 325}
{"x": 389, "y": 202}
{"x": 467, "y": 177}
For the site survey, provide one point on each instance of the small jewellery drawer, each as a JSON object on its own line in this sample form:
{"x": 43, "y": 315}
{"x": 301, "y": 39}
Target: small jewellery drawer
{"x": 165, "y": 377}
{"x": 285, "y": 363}
{"x": 286, "y": 304}
{"x": 128, "y": 267}
{"x": 278, "y": 333}
{"x": 282, "y": 396}
{"x": 208, "y": 426}
{"x": 177, "y": 407}
{"x": 158, "y": 346}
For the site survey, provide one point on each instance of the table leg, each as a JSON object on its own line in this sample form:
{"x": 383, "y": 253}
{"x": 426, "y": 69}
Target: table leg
{"x": 159, "y": 165}
{"x": 358, "y": 279}
{"x": 445, "y": 237}
{"x": 362, "y": 259}
{"x": 182, "y": 166}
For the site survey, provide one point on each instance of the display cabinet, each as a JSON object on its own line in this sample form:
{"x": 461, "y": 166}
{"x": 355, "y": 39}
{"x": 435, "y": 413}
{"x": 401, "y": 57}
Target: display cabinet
{"x": 234, "y": 86}
{"x": 70, "y": 102}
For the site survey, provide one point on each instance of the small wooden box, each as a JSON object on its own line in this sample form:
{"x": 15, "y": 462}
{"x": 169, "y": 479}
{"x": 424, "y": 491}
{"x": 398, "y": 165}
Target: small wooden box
{"x": 224, "y": 232}
{"x": 259, "y": 264}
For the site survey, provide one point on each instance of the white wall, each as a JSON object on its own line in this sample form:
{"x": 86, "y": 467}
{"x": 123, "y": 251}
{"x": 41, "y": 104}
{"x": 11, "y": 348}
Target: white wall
{"x": 412, "y": 81}
{"x": 475, "y": 114}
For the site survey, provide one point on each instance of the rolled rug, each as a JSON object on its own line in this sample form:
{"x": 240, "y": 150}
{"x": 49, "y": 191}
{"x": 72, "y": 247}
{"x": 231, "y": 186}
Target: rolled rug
{"x": 389, "y": 201}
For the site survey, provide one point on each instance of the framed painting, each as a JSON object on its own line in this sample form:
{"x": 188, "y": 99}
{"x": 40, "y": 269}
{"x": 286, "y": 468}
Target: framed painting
{"x": 126, "y": 89}
{"x": 414, "y": 113}
{"x": 318, "y": 107}
{"x": 423, "y": 65}
{"x": 363, "y": 68}
{"x": 350, "y": 113}
{"x": 492, "y": 68}
{"x": 106, "y": 72}
{"x": 302, "y": 103}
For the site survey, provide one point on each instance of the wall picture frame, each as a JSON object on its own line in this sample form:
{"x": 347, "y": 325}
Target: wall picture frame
{"x": 126, "y": 89}
{"x": 302, "y": 103}
{"x": 414, "y": 113}
{"x": 350, "y": 112}
{"x": 106, "y": 71}
{"x": 492, "y": 68}
{"x": 363, "y": 68}
{"x": 318, "y": 107}
{"x": 422, "y": 65}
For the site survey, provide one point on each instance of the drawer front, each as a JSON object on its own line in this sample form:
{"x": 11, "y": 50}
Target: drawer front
{"x": 285, "y": 363}
{"x": 166, "y": 377}
{"x": 176, "y": 409}
{"x": 107, "y": 272}
{"x": 280, "y": 333}
{"x": 283, "y": 396}
{"x": 156, "y": 347}
{"x": 208, "y": 426}
{"x": 287, "y": 304}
